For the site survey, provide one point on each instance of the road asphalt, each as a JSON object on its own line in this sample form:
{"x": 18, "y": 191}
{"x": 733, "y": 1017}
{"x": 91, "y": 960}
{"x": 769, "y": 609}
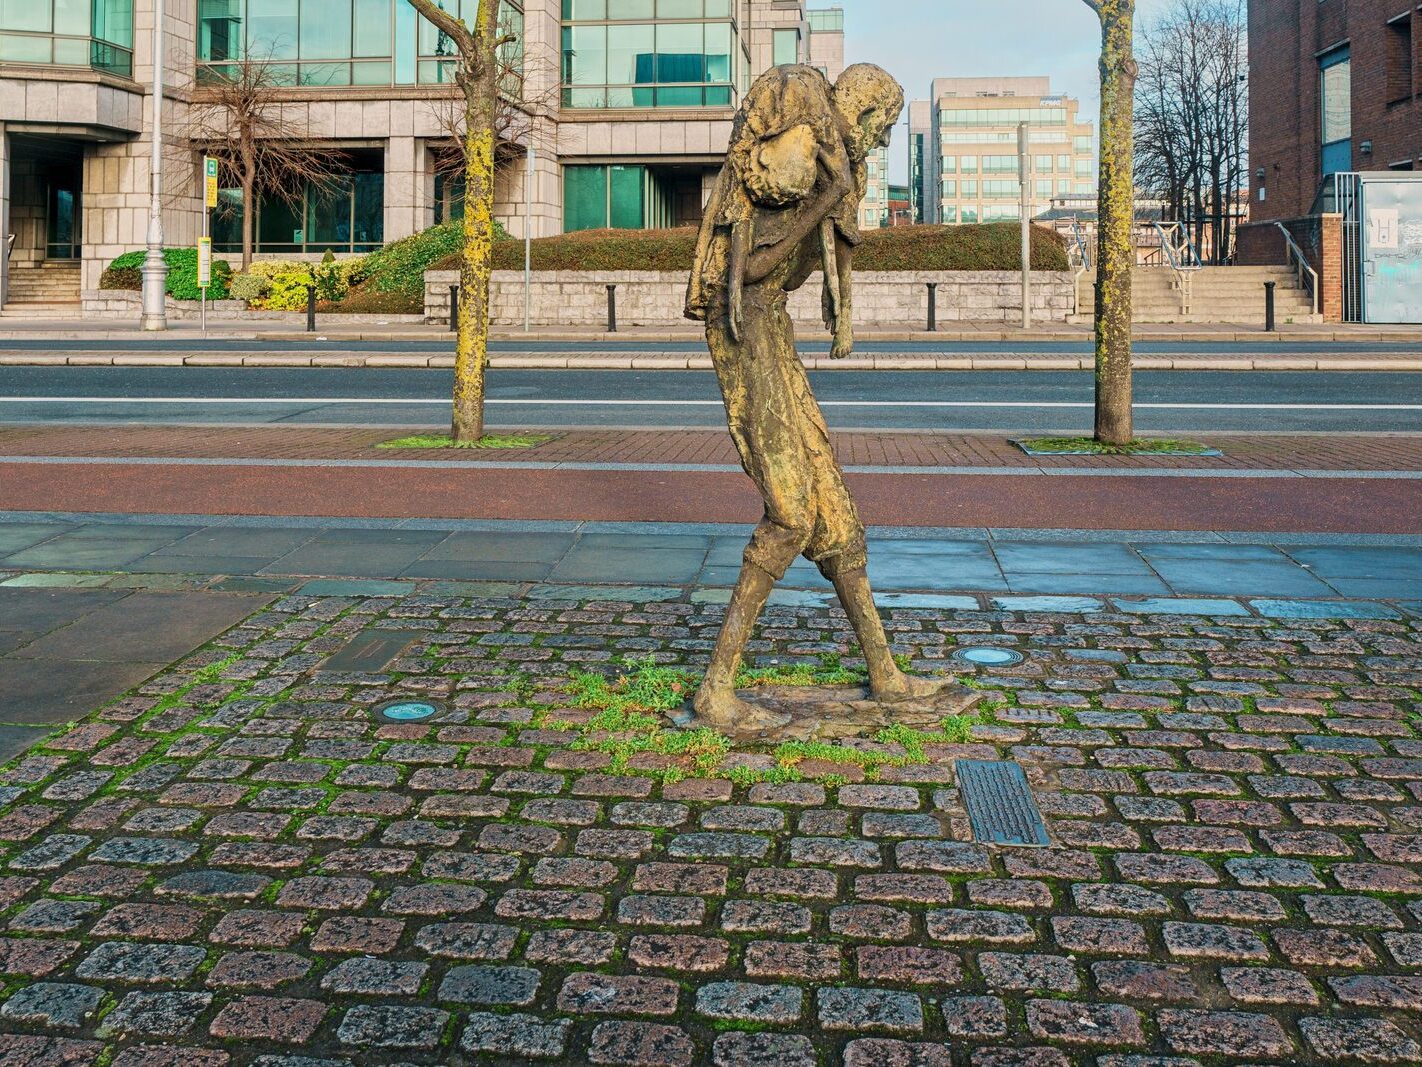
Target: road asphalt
{"x": 1047, "y": 401}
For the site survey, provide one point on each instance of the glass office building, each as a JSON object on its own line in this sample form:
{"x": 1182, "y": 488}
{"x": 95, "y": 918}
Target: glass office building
{"x": 972, "y": 171}
{"x": 68, "y": 33}
{"x": 648, "y": 53}
{"x": 334, "y": 42}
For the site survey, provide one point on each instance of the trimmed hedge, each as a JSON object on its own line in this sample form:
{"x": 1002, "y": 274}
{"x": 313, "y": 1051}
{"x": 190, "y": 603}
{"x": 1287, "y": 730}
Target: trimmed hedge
{"x": 400, "y": 267}
{"x": 126, "y": 272}
{"x": 993, "y": 246}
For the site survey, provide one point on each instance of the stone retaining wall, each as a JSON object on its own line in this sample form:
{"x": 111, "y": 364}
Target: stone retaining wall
{"x": 651, "y": 298}
{"x": 124, "y": 304}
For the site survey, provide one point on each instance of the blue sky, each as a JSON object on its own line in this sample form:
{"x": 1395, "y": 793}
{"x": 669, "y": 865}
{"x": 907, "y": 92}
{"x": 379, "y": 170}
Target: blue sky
{"x": 919, "y": 40}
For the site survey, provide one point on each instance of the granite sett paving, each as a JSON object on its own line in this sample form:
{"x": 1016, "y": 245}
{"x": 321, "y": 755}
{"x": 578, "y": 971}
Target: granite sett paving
{"x": 238, "y": 864}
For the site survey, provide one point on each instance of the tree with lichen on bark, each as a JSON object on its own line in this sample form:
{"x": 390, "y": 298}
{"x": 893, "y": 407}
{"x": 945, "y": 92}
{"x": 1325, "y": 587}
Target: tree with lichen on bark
{"x": 1116, "y": 254}
{"x": 478, "y": 78}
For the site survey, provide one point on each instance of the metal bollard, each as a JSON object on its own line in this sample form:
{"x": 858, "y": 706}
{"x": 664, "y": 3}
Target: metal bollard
{"x": 612, "y": 309}
{"x": 932, "y": 307}
{"x": 310, "y": 309}
{"x": 454, "y": 309}
{"x": 1269, "y": 326}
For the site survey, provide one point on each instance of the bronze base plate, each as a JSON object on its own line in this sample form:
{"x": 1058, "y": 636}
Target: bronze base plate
{"x": 831, "y": 713}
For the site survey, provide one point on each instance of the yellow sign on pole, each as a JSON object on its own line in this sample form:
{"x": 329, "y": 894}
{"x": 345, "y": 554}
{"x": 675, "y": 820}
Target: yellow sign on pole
{"x": 209, "y": 170}
{"x": 204, "y": 261}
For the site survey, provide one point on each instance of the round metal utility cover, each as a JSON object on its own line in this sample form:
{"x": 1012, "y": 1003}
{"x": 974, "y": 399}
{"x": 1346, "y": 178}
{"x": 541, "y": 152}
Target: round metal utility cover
{"x": 406, "y": 711}
{"x": 988, "y": 657}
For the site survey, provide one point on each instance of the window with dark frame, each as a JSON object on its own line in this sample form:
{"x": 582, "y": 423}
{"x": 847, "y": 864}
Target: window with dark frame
{"x": 1399, "y": 58}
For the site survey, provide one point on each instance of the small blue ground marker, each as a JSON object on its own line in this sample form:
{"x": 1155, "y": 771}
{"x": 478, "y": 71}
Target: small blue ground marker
{"x": 406, "y": 711}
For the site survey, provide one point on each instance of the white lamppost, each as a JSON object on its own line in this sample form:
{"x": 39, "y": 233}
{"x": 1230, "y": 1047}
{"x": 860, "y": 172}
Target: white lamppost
{"x": 155, "y": 269}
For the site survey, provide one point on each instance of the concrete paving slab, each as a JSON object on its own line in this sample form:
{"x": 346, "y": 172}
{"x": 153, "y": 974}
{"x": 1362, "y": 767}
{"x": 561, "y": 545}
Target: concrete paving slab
{"x": 1322, "y": 609}
{"x": 649, "y": 593}
{"x": 216, "y": 564}
{"x": 1179, "y": 606}
{"x": 38, "y": 611}
{"x": 495, "y": 547}
{"x": 15, "y": 537}
{"x": 1219, "y": 552}
{"x": 153, "y": 627}
{"x": 348, "y": 560}
{"x": 58, "y": 580}
{"x": 424, "y": 539}
{"x": 104, "y": 531}
{"x": 1069, "y": 605}
{"x": 1093, "y": 584}
{"x": 50, "y": 691}
{"x": 84, "y": 554}
{"x": 17, "y": 739}
{"x": 1019, "y": 558}
{"x": 1382, "y": 588}
{"x": 1198, "y": 577}
{"x": 1361, "y": 562}
{"x": 355, "y": 587}
{"x": 271, "y": 541}
{"x": 475, "y": 570}
{"x": 654, "y": 565}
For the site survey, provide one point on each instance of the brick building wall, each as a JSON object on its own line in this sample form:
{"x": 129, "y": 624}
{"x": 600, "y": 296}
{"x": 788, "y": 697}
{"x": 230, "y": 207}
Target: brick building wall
{"x": 1287, "y": 38}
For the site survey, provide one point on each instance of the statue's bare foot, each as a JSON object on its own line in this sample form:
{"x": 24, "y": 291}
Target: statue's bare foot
{"x": 722, "y": 710}
{"x": 905, "y": 687}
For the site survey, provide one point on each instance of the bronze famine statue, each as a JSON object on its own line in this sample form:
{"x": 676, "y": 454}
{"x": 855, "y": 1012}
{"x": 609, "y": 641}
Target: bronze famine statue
{"x": 785, "y": 205}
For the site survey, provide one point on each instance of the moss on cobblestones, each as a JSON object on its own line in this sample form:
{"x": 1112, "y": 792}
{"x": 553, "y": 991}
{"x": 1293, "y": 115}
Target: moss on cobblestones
{"x": 520, "y": 812}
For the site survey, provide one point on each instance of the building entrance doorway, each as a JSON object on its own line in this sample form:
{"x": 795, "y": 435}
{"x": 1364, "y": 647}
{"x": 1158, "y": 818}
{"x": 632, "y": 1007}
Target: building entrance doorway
{"x": 62, "y": 218}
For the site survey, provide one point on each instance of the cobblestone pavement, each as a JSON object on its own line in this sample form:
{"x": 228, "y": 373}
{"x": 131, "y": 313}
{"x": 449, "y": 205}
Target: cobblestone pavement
{"x": 238, "y": 865}
{"x": 1267, "y": 452}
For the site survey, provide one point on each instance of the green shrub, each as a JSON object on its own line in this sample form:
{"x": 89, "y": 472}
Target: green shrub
{"x": 365, "y": 302}
{"x": 249, "y": 287}
{"x": 126, "y": 272}
{"x": 995, "y": 246}
{"x": 391, "y": 281}
{"x": 330, "y": 282}
{"x": 289, "y": 282}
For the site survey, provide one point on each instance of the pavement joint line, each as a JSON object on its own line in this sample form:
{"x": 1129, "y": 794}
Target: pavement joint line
{"x": 708, "y": 468}
{"x": 711, "y": 529}
{"x": 381, "y": 588}
{"x": 319, "y": 402}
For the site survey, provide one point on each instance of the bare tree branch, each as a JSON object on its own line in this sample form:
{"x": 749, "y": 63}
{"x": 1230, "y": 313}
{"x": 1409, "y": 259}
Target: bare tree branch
{"x": 448, "y": 24}
{"x": 244, "y": 118}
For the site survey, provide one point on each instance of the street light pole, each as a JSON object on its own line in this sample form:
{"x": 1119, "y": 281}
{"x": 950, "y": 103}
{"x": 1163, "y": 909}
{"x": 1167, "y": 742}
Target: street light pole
{"x": 1024, "y": 174}
{"x": 155, "y": 269}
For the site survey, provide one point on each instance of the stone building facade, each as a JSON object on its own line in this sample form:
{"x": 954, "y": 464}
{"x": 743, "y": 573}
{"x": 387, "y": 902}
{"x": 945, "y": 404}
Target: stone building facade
{"x": 626, "y": 107}
{"x": 968, "y": 167}
{"x": 1335, "y": 86}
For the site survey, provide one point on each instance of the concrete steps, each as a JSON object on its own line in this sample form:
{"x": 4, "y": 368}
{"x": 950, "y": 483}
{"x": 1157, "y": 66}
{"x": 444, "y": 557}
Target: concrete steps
{"x": 48, "y": 290}
{"x": 1215, "y": 294}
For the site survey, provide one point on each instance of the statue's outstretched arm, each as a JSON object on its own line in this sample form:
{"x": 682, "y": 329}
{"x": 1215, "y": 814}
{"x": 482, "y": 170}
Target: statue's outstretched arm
{"x": 736, "y": 282}
{"x": 843, "y": 344}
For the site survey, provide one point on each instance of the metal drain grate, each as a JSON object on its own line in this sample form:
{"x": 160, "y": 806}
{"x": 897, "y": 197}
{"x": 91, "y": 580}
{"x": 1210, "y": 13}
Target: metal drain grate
{"x": 999, "y": 802}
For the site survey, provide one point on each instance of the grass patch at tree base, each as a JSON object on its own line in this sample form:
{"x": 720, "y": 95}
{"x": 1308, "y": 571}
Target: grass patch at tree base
{"x": 630, "y": 721}
{"x": 1089, "y": 446}
{"x": 492, "y": 441}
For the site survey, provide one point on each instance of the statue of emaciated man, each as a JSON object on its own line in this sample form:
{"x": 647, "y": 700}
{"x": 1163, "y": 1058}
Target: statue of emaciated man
{"x": 785, "y": 206}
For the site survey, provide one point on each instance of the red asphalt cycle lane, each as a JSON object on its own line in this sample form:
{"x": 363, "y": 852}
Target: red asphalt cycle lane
{"x": 1101, "y": 502}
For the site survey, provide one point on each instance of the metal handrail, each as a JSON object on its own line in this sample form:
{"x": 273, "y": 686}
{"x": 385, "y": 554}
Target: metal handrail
{"x": 1079, "y": 236}
{"x": 1301, "y": 267}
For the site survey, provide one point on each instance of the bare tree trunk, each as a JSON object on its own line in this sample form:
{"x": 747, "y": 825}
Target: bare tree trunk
{"x": 472, "y": 346}
{"x": 479, "y": 79}
{"x": 1116, "y": 255}
{"x": 249, "y": 219}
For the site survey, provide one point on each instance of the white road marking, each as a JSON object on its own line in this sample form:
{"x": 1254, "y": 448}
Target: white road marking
{"x": 526, "y": 402}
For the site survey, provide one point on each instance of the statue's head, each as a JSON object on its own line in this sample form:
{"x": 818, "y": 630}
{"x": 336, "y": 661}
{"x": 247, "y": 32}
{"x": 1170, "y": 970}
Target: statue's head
{"x": 870, "y": 102}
